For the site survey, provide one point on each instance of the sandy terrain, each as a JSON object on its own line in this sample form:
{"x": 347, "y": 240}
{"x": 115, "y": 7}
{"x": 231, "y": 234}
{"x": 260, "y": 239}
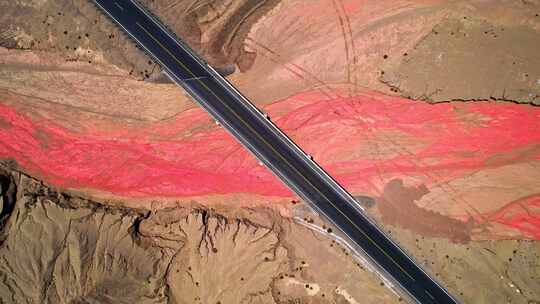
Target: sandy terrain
{"x": 119, "y": 189}
{"x": 447, "y": 64}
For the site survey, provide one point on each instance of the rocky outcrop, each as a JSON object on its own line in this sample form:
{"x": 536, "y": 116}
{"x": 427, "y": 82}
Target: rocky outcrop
{"x": 60, "y": 248}
{"x": 80, "y": 32}
{"x": 57, "y": 247}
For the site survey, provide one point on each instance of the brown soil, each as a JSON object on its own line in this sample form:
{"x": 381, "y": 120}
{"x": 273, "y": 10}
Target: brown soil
{"x": 397, "y": 207}
{"x": 473, "y": 57}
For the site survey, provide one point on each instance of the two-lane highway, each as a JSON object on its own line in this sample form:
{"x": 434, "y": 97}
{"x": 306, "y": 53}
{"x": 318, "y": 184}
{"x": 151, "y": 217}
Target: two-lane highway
{"x": 217, "y": 96}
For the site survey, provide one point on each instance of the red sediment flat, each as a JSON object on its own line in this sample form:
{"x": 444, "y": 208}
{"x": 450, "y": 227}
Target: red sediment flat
{"x": 363, "y": 140}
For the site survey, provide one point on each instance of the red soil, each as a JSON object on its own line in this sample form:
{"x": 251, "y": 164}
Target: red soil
{"x": 523, "y": 215}
{"x": 364, "y": 141}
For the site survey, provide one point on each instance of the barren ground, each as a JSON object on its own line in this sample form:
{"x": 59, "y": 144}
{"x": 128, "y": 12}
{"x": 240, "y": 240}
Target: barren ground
{"x": 116, "y": 188}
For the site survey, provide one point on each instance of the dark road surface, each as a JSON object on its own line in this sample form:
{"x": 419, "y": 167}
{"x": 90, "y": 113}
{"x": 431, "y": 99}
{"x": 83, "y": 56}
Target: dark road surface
{"x": 274, "y": 149}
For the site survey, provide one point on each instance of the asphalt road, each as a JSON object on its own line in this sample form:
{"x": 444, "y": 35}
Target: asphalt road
{"x": 254, "y": 130}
